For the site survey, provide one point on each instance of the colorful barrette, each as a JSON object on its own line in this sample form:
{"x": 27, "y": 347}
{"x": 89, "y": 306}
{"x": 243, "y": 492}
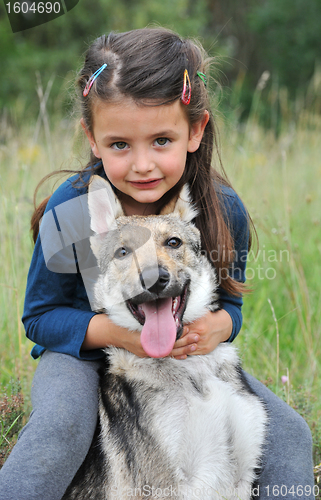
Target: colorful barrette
{"x": 187, "y": 89}
{"x": 92, "y": 79}
{"x": 202, "y": 76}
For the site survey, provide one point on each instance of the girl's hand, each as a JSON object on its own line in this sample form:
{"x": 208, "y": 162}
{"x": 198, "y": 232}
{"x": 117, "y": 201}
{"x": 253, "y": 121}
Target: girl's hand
{"x": 102, "y": 332}
{"x": 204, "y": 335}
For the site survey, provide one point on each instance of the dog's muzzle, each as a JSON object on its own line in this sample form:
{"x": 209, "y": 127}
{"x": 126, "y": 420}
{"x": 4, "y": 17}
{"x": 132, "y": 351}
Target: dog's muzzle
{"x": 161, "y": 313}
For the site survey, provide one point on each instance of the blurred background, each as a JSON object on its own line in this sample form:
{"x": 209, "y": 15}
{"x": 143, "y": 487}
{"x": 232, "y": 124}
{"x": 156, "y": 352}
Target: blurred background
{"x": 248, "y": 37}
{"x": 268, "y": 108}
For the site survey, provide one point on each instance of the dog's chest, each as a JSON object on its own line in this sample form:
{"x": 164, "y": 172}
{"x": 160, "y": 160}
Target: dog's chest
{"x": 170, "y": 423}
{"x": 175, "y": 404}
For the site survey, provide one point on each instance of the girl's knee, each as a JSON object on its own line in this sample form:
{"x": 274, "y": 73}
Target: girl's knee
{"x": 298, "y": 428}
{"x": 61, "y": 380}
{"x": 65, "y": 401}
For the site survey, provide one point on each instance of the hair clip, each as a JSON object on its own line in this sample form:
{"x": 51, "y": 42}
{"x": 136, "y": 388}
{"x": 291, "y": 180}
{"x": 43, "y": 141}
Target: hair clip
{"x": 202, "y": 76}
{"x": 92, "y": 79}
{"x": 187, "y": 89}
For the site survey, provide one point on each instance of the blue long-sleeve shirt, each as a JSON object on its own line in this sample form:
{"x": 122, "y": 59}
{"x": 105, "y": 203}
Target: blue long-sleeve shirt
{"x": 57, "y": 310}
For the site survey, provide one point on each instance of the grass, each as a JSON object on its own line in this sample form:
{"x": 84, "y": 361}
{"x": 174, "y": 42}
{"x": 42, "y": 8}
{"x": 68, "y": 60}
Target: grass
{"x": 279, "y": 181}
{"x": 11, "y": 415}
{"x": 23, "y": 163}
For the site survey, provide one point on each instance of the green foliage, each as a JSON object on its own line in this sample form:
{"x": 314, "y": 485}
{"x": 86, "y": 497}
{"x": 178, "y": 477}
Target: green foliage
{"x": 56, "y": 48}
{"x": 249, "y": 37}
{"x": 11, "y": 413}
{"x": 289, "y": 38}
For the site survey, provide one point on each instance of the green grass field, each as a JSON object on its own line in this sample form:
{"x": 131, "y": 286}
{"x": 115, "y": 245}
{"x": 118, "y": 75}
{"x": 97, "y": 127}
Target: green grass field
{"x": 279, "y": 179}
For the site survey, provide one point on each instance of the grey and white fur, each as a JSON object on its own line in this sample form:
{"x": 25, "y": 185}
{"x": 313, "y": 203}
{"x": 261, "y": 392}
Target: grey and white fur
{"x": 168, "y": 428}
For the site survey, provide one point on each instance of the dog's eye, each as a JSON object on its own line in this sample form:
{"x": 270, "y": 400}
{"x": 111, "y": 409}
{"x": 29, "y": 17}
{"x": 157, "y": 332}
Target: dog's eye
{"x": 174, "y": 242}
{"x": 122, "y": 252}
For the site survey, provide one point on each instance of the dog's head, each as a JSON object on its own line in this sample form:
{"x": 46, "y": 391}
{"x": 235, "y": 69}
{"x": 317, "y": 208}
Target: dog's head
{"x": 153, "y": 275}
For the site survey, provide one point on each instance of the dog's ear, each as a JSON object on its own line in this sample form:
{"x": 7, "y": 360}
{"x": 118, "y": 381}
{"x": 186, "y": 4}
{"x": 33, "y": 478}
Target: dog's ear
{"x": 182, "y": 206}
{"x": 104, "y": 206}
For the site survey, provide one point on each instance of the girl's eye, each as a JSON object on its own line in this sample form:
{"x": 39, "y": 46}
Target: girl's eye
{"x": 119, "y": 145}
{"x": 162, "y": 141}
{"x": 174, "y": 242}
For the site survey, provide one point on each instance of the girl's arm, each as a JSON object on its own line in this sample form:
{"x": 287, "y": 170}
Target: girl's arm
{"x": 57, "y": 311}
{"x": 102, "y": 332}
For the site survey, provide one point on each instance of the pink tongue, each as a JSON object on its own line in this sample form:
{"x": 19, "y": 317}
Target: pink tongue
{"x": 159, "y": 331}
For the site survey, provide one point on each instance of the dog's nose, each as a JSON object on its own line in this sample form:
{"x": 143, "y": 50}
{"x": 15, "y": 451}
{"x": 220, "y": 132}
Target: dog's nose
{"x": 160, "y": 284}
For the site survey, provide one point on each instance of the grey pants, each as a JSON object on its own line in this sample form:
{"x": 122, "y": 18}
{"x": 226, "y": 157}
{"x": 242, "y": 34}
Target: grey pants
{"x": 52, "y": 446}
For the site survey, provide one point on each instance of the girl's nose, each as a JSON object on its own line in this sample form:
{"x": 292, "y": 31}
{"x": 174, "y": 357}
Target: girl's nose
{"x": 142, "y": 163}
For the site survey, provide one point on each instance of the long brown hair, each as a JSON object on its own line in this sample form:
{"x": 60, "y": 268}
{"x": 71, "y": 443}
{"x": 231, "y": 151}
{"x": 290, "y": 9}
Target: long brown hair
{"x": 148, "y": 65}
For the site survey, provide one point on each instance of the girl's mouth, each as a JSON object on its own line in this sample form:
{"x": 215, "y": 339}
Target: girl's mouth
{"x": 145, "y": 184}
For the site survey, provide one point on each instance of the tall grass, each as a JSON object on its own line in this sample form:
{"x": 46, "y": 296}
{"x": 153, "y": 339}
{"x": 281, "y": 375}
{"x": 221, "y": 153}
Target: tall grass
{"x": 25, "y": 158}
{"x": 278, "y": 178}
{"x": 279, "y": 181}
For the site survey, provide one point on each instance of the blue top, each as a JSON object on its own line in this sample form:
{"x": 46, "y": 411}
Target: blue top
{"x": 57, "y": 309}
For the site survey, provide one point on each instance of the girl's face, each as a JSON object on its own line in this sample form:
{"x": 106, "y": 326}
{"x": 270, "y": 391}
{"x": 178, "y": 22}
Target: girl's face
{"x": 143, "y": 149}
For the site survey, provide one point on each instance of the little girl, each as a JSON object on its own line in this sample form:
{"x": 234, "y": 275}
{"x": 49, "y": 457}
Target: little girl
{"x": 146, "y": 113}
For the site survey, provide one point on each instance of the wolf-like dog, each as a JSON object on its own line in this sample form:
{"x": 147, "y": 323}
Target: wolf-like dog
{"x": 167, "y": 428}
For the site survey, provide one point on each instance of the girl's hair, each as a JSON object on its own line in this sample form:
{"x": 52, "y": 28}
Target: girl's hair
{"x": 147, "y": 65}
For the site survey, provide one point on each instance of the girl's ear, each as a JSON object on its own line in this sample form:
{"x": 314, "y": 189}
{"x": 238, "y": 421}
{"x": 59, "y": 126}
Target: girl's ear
{"x": 91, "y": 139}
{"x": 196, "y": 133}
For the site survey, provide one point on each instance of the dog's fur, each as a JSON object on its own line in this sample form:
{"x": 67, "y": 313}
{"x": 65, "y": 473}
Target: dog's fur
{"x": 167, "y": 428}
